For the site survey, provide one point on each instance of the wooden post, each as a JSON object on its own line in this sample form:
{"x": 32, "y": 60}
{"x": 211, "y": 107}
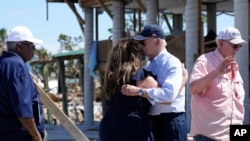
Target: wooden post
{"x": 63, "y": 86}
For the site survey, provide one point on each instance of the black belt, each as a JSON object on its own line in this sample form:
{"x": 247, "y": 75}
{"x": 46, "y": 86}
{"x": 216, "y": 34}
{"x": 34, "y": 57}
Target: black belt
{"x": 165, "y": 116}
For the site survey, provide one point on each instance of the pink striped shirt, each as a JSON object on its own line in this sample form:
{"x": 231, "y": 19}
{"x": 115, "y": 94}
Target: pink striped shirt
{"x": 220, "y": 104}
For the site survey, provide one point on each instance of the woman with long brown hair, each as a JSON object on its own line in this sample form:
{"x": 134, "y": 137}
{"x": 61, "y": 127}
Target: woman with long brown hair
{"x": 126, "y": 117}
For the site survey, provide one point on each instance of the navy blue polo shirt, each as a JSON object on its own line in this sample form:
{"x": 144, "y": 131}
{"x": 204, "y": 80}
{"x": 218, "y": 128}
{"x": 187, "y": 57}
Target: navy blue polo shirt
{"x": 18, "y": 95}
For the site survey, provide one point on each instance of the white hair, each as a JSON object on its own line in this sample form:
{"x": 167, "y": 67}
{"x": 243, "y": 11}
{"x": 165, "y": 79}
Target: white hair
{"x": 163, "y": 43}
{"x": 11, "y": 45}
{"x": 217, "y": 41}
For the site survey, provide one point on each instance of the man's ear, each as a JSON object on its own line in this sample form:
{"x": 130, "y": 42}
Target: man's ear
{"x": 220, "y": 42}
{"x": 158, "y": 41}
{"x": 18, "y": 47}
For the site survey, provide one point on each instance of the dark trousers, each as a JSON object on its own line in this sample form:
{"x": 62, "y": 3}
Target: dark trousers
{"x": 202, "y": 138}
{"x": 18, "y": 136}
{"x": 169, "y": 127}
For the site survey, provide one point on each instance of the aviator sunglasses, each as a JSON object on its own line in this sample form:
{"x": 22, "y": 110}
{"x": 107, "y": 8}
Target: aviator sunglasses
{"x": 234, "y": 46}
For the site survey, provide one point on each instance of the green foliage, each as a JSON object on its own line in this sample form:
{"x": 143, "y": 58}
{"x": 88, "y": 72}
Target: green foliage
{"x": 129, "y": 22}
{"x": 69, "y": 43}
{"x": 43, "y": 54}
{"x": 2, "y": 35}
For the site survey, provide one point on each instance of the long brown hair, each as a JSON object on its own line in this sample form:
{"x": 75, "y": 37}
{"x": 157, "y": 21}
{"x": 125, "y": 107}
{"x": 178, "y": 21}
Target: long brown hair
{"x": 121, "y": 66}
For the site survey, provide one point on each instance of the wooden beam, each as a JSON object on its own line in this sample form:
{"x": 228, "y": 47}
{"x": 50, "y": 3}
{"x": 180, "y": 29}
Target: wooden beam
{"x": 167, "y": 22}
{"x": 139, "y": 21}
{"x": 81, "y": 22}
{"x": 92, "y": 3}
{"x": 64, "y": 120}
{"x": 141, "y": 5}
{"x": 182, "y": 2}
{"x": 101, "y": 2}
{"x": 73, "y": 8}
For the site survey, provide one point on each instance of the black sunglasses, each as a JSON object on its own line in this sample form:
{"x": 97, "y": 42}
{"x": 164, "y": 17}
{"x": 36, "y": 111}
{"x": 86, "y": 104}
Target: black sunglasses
{"x": 143, "y": 42}
{"x": 236, "y": 46}
{"x": 29, "y": 44}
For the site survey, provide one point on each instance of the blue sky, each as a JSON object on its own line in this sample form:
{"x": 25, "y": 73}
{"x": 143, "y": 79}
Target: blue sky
{"x": 33, "y": 14}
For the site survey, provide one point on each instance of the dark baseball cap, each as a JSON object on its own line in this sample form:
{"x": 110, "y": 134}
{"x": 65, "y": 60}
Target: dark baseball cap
{"x": 150, "y": 30}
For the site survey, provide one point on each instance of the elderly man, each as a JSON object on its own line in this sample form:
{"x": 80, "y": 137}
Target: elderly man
{"x": 217, "y": 89}
{"x": 21, "y": 115}
{"x": 167, "y": 112}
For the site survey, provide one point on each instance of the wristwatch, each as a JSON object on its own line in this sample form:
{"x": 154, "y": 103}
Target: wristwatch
{"x": 140, "y": 92}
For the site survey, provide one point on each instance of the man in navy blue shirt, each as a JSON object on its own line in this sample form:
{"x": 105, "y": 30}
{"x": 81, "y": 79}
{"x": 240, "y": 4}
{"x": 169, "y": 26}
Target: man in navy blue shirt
{"x": 21, "y": 115}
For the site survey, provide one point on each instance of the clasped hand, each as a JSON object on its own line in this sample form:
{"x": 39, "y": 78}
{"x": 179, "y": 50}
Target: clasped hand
{"x": 129, "y": 90}
{"x": 227, "y": 65}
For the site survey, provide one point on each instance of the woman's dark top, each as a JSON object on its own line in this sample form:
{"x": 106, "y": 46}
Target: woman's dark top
{"x": 126, "y": 119}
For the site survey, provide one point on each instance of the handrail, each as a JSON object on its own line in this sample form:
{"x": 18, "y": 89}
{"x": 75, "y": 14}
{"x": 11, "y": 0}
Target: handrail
{"x": 64, "y": 120}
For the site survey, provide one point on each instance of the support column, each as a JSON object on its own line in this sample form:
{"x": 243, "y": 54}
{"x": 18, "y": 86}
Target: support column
{"x": 88, "y": 80}
{"x": 177, "y": 24}
{"x": 241, "y": 22}
{"x": 118, "y": 20}
{"x": 152, "y": 11}
{"x": 192, "y": 44}
{"x": 211, "y": 17}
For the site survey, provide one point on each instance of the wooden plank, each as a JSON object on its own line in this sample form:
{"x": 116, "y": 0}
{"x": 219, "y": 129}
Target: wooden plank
{"x": 64, "y": 120}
